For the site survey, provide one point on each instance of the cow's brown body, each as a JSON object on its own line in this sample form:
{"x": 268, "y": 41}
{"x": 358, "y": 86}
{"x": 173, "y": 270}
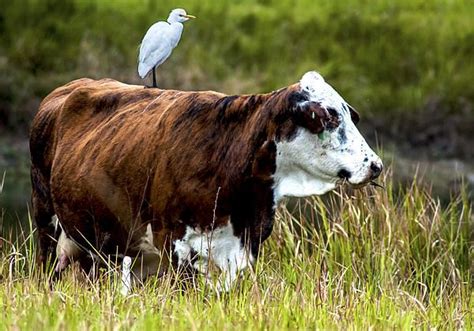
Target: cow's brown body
{"x": 110, "y": 158}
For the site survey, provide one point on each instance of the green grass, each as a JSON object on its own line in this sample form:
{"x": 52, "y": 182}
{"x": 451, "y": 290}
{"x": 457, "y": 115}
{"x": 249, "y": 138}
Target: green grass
{"x": 363, "y": 259}
{"x": 382, "y": 259}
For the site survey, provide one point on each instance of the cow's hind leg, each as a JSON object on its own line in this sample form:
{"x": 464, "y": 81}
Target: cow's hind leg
{"x": 46, "y": 224}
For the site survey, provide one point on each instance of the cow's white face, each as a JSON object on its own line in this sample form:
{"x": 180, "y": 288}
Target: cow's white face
{"x": 312, "y": 163}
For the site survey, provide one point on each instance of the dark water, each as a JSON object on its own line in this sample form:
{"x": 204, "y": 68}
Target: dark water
{"x": 15, "y": 198}
{"x": 15, "y": 176}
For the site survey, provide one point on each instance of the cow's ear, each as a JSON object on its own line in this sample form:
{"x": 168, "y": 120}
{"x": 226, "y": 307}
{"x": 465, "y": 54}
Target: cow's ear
{"x": 354, "y": 114}
{"x": 312, "y": 116}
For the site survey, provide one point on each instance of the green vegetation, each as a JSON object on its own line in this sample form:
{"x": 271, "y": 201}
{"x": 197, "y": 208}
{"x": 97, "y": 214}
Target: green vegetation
{"x": 394, "y": 258}
{"x": 360, "y": 259}
{"x": 393, "y": 59}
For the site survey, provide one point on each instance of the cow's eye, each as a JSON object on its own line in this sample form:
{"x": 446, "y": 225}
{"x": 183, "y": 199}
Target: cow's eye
{"x": 333, "y": 120}
{"x": 333, "y": 112}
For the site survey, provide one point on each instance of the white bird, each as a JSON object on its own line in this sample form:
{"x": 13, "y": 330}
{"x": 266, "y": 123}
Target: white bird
{"x": 159, "y": 41}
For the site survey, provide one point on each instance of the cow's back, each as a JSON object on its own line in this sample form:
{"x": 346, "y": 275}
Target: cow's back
{"x": 87, "y": 108}
{"x": 123, "y": 130}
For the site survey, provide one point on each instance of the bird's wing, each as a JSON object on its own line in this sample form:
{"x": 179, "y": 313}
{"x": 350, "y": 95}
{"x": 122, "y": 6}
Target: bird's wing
{"x": 155, "y": 47}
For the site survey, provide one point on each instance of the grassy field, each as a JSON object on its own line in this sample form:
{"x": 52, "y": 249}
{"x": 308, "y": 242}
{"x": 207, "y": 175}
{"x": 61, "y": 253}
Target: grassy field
{"x": 364, "y": 259}
{"x": 393, "y": 258}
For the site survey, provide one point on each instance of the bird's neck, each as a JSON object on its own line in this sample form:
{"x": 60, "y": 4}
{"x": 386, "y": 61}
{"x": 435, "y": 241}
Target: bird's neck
{"x": 177, "y": 28}
{"x": 172, "y": 20}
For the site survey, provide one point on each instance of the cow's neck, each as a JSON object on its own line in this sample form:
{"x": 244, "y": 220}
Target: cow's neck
{"x": 253, "y": 148}
{"x": 253, "y": 123}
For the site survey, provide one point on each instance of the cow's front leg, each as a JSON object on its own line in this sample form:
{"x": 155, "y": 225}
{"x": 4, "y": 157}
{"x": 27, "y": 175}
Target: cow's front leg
{"x": 220, "y": 247}
{"x": 232, "y": 256}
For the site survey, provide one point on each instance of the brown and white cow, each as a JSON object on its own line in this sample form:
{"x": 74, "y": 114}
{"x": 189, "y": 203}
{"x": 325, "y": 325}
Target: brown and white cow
{"x": 197, "y": 175}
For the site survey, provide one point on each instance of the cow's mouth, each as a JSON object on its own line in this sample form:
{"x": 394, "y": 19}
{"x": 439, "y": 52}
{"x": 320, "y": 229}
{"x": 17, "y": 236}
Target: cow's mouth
{"x": 346, "y": 181}
{"x": 358, "y": 185}
{"x": 345, "y": 177}
{"x": 373, "y": 183}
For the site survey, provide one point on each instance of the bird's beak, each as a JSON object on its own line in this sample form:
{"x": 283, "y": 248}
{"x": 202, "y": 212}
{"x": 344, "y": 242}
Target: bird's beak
{"x": 189, "y": 16}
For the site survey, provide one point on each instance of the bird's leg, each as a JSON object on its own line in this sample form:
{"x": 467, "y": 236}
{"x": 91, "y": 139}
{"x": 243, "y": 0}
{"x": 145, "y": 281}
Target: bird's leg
{"x": 154, "y": 77}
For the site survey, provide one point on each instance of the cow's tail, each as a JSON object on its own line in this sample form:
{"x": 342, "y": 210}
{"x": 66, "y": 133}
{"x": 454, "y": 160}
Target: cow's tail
{"x": 42, "y": 150}
{"x": 43, "y": 214}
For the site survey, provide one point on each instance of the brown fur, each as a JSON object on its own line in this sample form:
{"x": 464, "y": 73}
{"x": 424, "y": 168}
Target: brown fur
{"x": 109, "y": 158}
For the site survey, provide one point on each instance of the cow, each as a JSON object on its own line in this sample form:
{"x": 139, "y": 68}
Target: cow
{"x": 184, "y": 178}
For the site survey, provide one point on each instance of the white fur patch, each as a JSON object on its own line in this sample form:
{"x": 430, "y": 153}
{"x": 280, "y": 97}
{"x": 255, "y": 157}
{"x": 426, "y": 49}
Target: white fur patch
{"x": 220, "y": 247}
{"x": 309, "y": 163}
{"x": 298, "y": 172}
{"x": 320, "y": 91}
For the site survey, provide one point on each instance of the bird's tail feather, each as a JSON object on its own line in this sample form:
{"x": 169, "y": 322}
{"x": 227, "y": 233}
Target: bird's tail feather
{"x": 143, "y": 70}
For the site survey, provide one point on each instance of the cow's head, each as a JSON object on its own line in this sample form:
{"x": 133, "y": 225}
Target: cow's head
{"x": 325, "y": 149}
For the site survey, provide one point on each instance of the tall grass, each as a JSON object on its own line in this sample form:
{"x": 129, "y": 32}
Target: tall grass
{"x": 367, "y": 258}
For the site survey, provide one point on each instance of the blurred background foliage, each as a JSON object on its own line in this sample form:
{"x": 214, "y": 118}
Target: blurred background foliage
{"x": 406, "y": 65}
{"x": 391, "y": 59}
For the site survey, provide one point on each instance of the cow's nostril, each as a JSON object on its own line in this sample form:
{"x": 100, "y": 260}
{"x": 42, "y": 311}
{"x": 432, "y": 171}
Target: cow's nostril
{"x": 376, "y": 170}
{"x": 344, "y": 174}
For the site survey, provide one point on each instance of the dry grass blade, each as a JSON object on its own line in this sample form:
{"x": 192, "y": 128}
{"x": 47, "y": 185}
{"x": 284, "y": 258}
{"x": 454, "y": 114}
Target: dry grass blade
{"x": 2, "y": 182}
